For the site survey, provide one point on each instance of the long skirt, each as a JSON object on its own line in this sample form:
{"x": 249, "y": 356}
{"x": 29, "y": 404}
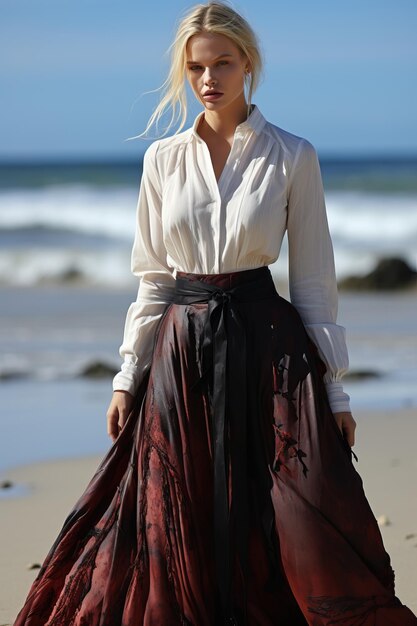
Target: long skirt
{"x": 230, "y": 495}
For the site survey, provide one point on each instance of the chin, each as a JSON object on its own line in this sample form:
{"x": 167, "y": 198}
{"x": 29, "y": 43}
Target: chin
{"x": 216, "y": 104}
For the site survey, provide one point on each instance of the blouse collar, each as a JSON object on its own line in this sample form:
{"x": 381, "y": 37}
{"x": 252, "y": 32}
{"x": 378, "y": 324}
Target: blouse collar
{"x": 255, "y": 122}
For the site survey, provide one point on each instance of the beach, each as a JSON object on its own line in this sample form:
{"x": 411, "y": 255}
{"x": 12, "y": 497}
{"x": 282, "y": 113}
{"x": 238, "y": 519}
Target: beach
{"x": 66, "y": 232}
{"x": 53, "y": 420}
{"x": 385, "y": 448}
{"x": 54, "y": 428}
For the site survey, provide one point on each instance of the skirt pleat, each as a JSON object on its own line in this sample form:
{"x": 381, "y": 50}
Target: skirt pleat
{"x": 137, "y": 549}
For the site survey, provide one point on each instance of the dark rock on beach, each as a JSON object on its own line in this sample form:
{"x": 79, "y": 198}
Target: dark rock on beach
{"x": 389, "y": 274}
{"x": 98, "y": 369}
{"x": 6, "y": 484}
{"x": 12, "y": 375}
{"x": 71, "y": 274}
{"x": 361, "y": 374}
{"x": 68, "y": 276}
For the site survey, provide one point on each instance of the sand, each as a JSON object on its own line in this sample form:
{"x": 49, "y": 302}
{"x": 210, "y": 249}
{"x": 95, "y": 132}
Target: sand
{"x": 385, "y": 445}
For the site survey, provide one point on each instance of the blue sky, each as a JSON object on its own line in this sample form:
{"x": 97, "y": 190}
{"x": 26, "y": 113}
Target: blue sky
{"x": 73, "y": 73}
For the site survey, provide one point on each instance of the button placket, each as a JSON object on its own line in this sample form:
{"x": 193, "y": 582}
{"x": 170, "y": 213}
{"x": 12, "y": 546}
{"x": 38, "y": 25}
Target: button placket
{"x": 220, "y": 187}
{"x": 223, "y": 185}
{"x": 237, "y": 139}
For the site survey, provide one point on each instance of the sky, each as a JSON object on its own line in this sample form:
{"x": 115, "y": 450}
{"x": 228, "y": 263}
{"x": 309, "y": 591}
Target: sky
{"x": 73, "y": 74}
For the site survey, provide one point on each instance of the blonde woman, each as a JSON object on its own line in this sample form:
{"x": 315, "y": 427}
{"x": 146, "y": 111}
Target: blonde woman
{"x": 229, "y": 495}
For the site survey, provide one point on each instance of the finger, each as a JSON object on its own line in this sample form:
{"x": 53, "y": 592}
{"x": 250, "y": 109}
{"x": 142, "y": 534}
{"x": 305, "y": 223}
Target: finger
{"x": 113, "y": 436}
{"x": 114, "y": 433}
{"x": 122, "y": 418}
{"x": 112, "y": 425}
{"x": 124, "y": 413}
{"x": 349, "y": 435}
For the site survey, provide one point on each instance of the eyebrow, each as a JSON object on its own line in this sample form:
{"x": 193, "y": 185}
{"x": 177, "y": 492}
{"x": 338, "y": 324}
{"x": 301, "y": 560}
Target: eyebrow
{"x": 226, "y": 54}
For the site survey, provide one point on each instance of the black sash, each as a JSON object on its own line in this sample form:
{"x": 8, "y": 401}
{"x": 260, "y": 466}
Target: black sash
{"x": 223, "y": 351}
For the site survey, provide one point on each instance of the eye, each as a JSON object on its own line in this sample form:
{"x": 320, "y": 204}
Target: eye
{"x": 196, "y": 68}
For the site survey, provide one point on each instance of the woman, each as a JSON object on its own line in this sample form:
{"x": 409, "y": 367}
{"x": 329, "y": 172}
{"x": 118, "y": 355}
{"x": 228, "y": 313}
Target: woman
{"x": 229, "y": 494}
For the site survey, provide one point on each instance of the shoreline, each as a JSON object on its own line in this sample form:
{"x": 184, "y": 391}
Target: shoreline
{"x": 384, "y": 445}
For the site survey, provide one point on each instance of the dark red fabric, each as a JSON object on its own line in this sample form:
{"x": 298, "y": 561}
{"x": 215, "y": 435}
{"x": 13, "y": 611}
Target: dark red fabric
{"x": 137, "y": 547}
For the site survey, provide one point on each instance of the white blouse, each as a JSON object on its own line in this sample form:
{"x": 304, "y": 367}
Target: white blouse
{"x": 187, "y": 221}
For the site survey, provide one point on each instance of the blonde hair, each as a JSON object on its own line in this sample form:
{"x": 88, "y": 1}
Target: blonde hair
{"x": 213, "y": 17}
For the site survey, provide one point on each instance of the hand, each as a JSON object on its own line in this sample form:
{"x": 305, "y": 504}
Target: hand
{"x": 347, "y": 425}
{"x": 117, "y": 413}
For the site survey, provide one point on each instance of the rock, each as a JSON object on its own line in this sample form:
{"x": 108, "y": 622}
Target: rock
{"x": 71, "y": 274}
{"x": 98, "y": 369}
{"x": 360, "y": 374}
{"x": 411, "y": 536}
{"x": 383, "y": 520}
{"x": 6, "y": 484}
{"x": 33, "y": 565}
{"x": 389, "y": 274}
{"x": 13, "y": 374}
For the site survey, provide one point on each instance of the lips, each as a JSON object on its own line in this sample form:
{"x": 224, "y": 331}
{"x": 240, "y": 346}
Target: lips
{"x": 212, "y": 96}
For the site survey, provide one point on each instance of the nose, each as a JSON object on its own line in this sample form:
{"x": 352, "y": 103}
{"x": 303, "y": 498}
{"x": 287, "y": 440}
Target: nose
{"x": 209, "y": 79}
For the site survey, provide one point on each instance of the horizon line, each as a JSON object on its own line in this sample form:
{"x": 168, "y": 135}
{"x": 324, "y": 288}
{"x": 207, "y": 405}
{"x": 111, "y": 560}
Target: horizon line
{"x": 111, "y": 159}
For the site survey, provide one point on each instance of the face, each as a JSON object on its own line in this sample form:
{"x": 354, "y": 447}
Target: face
{"x": 215, "y": 64}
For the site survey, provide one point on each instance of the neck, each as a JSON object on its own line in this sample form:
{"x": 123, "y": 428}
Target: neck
{"x": 224, "y": 122}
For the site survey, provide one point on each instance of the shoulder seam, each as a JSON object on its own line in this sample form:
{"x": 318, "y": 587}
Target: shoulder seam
{"x": 301, "y": 144}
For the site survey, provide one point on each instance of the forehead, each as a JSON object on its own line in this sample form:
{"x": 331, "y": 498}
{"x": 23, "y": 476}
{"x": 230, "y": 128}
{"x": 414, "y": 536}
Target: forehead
{"x": 205, "y": 46}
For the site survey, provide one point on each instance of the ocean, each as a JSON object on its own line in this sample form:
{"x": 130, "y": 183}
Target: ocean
{"x": 77, "y": 219}
{"x": 64, "y": 220}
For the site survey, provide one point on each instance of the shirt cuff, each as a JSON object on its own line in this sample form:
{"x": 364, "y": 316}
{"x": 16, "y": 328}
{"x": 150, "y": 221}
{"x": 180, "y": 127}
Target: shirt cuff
{"x": 330, "y": 340}
{"x": 338, "y": 399}
{"x": 127, "y": 379}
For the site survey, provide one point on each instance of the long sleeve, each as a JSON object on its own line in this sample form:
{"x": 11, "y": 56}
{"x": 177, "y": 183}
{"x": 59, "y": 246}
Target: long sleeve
{"x": 148, "y": 262}
{"x": 312, "y": 277}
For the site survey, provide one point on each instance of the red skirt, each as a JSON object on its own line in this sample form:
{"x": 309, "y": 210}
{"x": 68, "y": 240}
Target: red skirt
{"x": 230, "y": 495}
